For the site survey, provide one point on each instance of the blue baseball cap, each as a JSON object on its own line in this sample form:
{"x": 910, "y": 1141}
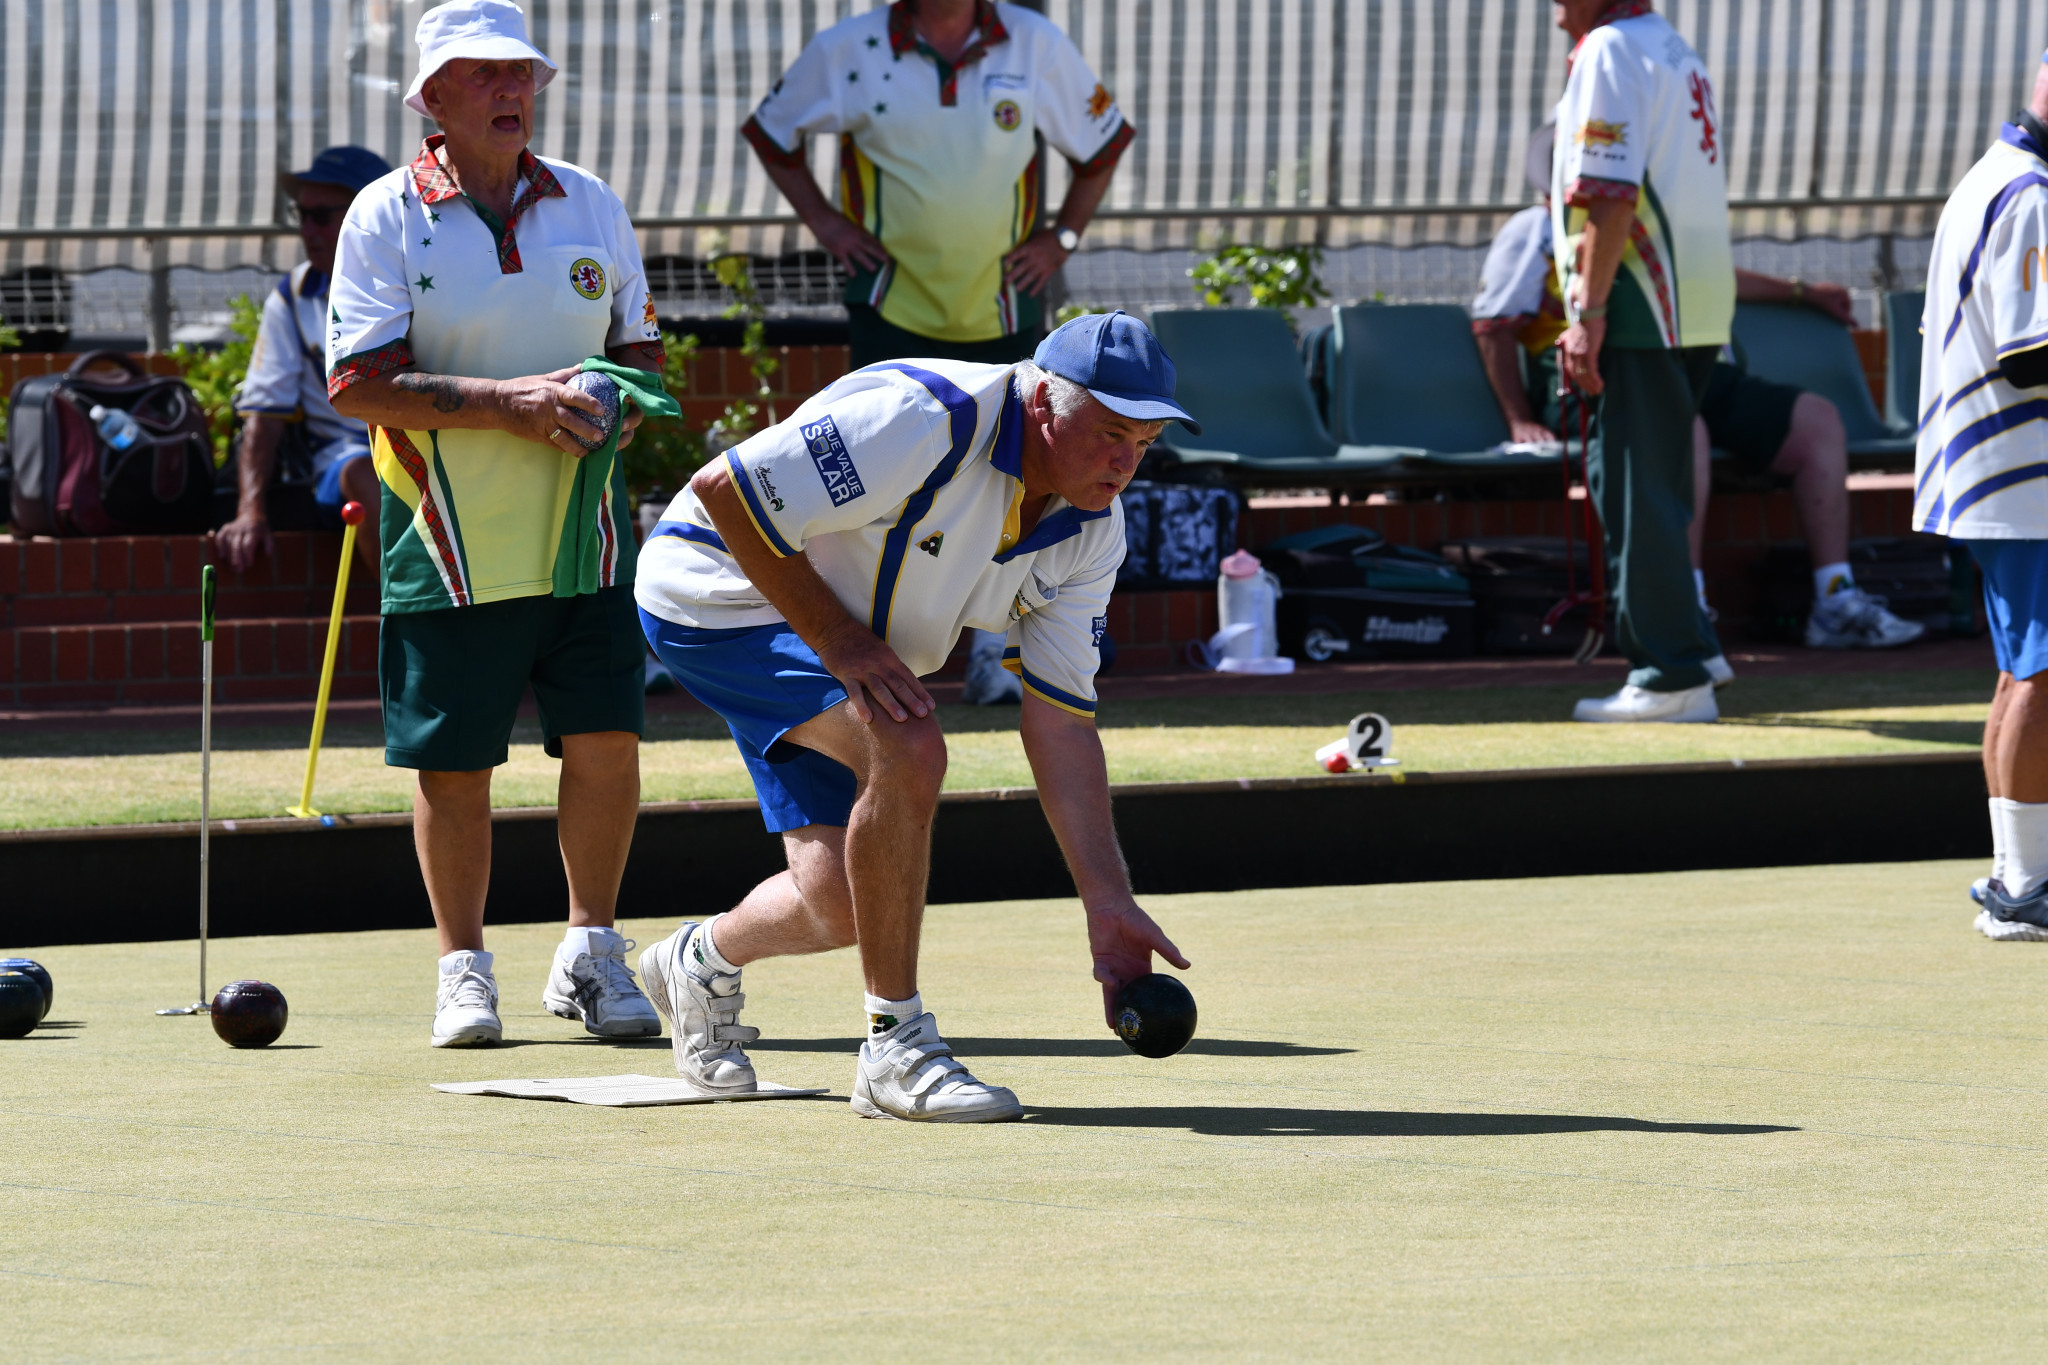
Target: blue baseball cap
{"x": 349, "y": 167}
{"x": 1118, "y": 360}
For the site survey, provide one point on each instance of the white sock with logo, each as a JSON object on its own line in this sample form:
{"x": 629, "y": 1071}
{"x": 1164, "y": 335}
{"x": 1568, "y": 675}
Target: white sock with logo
{"x": 885, "y": 1016}
{"x": 577, "y": 940}
{"x": 1830, "y": 579}
{"x": 2026, "y": 846}
{"x": 1997, "y": 841}
{"x": 704, "y": 948}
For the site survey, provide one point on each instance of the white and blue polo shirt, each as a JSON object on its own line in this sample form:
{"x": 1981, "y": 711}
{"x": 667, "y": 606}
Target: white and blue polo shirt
{"x": 287, "y": 374}
{"x": 1982, "y": 466}
{"x": 903, "y": 483}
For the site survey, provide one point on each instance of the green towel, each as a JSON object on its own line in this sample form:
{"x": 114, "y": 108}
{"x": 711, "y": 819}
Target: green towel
{"x": 580, "y": 563}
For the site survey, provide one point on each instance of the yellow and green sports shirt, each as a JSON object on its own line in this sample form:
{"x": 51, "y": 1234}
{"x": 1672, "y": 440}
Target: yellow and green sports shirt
{"x": 938, "y": 159}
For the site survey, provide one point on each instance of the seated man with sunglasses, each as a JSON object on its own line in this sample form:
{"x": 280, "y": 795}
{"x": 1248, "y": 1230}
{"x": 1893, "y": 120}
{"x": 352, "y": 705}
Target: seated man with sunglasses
{"x": 287, "y": 379}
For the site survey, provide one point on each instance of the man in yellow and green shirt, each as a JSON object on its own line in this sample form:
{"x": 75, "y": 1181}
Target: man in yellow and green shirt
{"x": 939, "y": 107}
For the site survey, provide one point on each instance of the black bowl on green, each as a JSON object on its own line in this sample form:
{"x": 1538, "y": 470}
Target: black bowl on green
{"x": 21, "y": 1004}
{"x": 249, "y": 1013}
{"x": 34, "y": 970}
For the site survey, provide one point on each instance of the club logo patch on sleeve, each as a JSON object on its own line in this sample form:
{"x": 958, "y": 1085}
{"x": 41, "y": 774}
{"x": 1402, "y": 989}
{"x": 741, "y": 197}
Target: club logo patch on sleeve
{"x": 835, "y": 465}
{"x": 1098, "y": 628}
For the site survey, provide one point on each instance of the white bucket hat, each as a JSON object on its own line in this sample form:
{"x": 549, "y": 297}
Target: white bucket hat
{"x": 481, "y": 30}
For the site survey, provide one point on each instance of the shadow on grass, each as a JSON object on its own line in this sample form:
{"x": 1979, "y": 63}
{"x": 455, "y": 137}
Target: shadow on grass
{"x": 1061, "y": 1047}
{"x": 1222, "y": 1121}
{"x": 1966, "y": 733}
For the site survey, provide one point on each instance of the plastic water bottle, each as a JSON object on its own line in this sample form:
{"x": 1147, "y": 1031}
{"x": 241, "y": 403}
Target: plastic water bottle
{"x": 1246, "y": 596}
{"x": 117, "y": 428}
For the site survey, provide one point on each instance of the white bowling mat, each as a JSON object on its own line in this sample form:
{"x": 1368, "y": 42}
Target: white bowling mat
{"x": 620, "y": 1092}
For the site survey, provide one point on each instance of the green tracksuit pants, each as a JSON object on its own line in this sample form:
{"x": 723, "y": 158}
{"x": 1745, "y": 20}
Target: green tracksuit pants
{"x": 1639, "y": 472}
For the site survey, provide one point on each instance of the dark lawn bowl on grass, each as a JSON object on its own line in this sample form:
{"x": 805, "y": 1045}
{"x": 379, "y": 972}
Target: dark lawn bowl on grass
{"x": 1155, "y": 1015}
{"x": 21, "y": 1004}
{"x": 249, "y": 1013}
{"x": 37, "y": 973}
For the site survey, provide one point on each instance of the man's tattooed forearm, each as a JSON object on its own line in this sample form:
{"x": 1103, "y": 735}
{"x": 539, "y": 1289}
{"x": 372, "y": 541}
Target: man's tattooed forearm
{"x": 445, "y": 391}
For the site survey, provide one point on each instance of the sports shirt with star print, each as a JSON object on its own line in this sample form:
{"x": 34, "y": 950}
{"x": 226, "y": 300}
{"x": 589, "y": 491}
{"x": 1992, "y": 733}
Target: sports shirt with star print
{"x": 938, "y": 159}
{"x": 1638, "y": 122}
{"x": 422, "y": 275}
{"x": 903, "y": 483}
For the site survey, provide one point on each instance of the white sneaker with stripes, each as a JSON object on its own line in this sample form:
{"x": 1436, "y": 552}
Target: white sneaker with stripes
{"x": 910, "y": 1072}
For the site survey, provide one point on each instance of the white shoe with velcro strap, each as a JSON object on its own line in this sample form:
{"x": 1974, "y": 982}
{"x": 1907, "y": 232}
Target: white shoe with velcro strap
{"x": 910, "y": 1072}
{"x": 702, "y": 1007}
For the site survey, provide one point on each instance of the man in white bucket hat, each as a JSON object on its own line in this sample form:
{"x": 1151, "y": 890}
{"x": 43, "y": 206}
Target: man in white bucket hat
{"x": 469, "y": 287}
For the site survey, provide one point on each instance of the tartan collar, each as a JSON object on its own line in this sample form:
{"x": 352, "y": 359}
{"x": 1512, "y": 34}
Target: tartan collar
{"x": 903, "y": 32}
{"x": 431, "y": 177}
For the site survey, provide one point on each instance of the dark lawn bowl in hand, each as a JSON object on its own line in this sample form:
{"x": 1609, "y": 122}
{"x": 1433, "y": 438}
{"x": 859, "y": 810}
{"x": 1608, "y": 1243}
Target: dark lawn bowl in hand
{"x": 1155, "y": 1015}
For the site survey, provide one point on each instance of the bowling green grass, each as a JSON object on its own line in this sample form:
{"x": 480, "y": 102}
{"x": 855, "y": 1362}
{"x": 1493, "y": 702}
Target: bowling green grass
{"x": 124, "y": 777}
{"x": 1780, "y": 1114}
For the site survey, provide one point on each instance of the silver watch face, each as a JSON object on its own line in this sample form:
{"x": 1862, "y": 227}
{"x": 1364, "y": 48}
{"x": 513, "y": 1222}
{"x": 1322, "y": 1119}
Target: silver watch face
{"x": 1069, "y": 239}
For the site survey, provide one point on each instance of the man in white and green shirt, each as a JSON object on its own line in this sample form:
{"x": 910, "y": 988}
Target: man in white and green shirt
{"x": 469, "y": 286}
{"x": 939, "y": 106}
{"x": 1639, "y": 199}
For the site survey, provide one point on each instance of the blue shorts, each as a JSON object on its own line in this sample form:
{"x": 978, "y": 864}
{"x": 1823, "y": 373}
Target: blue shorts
{"x": 2016, "y": 602}
{"x": 327, "y": 487}
{"x": 764, "y": 681}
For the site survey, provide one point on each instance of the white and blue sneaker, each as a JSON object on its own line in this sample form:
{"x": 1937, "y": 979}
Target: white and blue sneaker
{"x": 1853, "y": 619}
{"x": 2010, "y": 919}
{"x": 1978, "y": 888}
{"x": 910, "y": 1072}
{"x": 598, "y": 987}
{"x": 702, "y": 1006}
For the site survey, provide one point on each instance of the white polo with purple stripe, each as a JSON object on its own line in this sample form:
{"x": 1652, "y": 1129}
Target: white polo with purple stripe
{"x": 1982, "y": 466}
{"x": 903, "y": 483}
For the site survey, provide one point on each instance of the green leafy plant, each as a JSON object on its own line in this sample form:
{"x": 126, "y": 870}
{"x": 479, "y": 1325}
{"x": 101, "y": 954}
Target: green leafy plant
{"x": 9, "y": 338}
{"x": 216, "y": 375}
{"x": 665, "y": 451}
{"x": 1282, "y": 277}
{"x": 741, "y": 419}
{"x": 1069, "y": 311}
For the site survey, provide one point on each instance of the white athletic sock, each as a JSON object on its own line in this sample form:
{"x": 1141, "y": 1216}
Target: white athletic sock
{"x": 706, "y": 948}
{"x": 2026, "y": 846}
{"x": 577, "y": 940}
{"x": 1997, "y": 842}
{"x": 480, "y": 961}
{"x": 1699, "y": 584}
{"x": 885, "y": 1015}
{"x": 1830, "y": 579}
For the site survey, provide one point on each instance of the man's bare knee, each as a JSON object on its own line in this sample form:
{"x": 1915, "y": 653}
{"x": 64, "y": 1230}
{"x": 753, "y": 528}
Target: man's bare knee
{"x": 1817, "y": 440}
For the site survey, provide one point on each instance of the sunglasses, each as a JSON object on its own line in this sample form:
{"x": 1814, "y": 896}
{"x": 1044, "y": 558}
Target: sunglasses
{"x": 317, "y": 217}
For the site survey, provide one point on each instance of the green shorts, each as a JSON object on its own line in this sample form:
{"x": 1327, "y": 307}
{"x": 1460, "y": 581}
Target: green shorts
{"x": 1748, "y": 417}
{"x": 452, "y": 680}
{"x": 875, "y": 339}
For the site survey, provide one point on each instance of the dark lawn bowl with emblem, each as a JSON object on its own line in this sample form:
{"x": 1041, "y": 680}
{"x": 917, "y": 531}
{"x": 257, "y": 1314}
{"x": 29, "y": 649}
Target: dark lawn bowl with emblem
{"x": 36, "y": 972}
{"x": 249, "y": 1014}
{"x": 1155, "y": 1015}
{"x": 21, "y": 1004}
{"x": 605, "y": 390}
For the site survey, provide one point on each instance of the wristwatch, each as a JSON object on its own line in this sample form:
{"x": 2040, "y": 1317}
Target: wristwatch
{"x": 1069, "y": 240}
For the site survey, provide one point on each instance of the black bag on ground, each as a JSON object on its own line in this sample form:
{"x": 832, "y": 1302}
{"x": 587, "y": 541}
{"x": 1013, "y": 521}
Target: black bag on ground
{"x": 1516, "y": 582}
{"x": 1920, "y": 577}
{"x": 1346, "y": 593}
{"x": 1176, "y": 534}
{"x": 67, "y": 481}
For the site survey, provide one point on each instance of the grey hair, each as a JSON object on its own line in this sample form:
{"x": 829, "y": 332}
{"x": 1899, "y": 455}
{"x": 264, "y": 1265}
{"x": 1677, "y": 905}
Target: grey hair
{"x": 1067, "y": 397}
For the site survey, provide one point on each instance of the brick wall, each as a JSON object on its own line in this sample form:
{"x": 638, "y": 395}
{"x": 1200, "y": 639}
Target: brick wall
{"x": 115, "y": 621}
{"x": 718, "y": 376}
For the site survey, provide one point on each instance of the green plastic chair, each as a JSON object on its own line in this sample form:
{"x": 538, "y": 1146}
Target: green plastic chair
{"x": 1410, "y": 375}
{"x": 1241, "y": 376}
{"x": 1902, "y": 312}
{"x": 1789, "y": 343}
